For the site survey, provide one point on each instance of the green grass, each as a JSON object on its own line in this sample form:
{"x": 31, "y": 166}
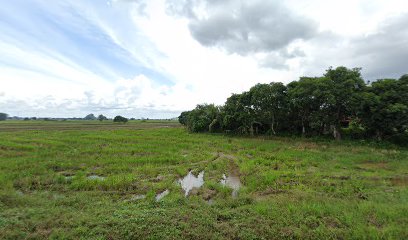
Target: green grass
{"x": 292, "y": 188}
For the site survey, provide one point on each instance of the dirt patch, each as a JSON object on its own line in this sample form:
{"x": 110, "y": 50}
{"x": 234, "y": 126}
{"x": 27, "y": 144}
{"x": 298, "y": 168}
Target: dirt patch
{"x": 208, "y": 194}
{"x": 307, "y": 146}
{"x": 226, "y": 156}
{"x": 271, "y": 191}
{"x": 399, "y": 181}
{"x": 332, "y": 222}
{"x": 140, "y": 154}
{"x": 159, "y": 178}
{"x": 370, "y": 165}
{"x": 338, "y": 177}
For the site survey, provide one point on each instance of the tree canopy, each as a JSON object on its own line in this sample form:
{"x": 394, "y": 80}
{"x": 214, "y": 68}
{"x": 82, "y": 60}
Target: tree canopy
{"x": 3, "y": 116}
{"x": 90, "y": 117}
{"x": 102, "y": 117}
{"x": 339, "y": 103}
{"x": 120, "y": 119}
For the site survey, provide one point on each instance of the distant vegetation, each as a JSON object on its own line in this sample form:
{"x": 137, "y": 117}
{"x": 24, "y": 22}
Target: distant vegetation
{"x": 120, "y": 119}
{"x": 3, "y": 116}
{"x": 340, "y": 103}
{"x": 90, "y": 117}
{"x": 102, "y": 117}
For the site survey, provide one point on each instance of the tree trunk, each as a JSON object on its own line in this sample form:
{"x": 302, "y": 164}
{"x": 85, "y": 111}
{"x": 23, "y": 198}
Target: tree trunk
{"x": 378, "y": 135}
{"x": 273, "y": 125}
{"x": 336, "y": 133}
{"x": 251, "y": 130}
{"x": 303, "y": 129}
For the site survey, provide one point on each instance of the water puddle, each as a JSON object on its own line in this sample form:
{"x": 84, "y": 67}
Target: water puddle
{"x": 232, "y": 181}
{"x": 210, "y": 202}
{"x": 96, "y": 177}
{"x": 190, "y": 181}
{"x": 162, "y": 195}
{"x": 137, "y": 197}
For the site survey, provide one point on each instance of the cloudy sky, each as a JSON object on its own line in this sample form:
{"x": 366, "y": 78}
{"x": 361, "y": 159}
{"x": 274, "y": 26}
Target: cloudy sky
{"x": 156, "y": 58}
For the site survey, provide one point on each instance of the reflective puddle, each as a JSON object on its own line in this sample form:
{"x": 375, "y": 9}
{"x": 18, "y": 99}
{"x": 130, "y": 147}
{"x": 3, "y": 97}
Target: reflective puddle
{"x": 162, "y": 195}
{"x": 137, "y": 197}
{"x": 232, "y": 181}
{"x": 96, "y": 177}
{"x": 190, "y": 181}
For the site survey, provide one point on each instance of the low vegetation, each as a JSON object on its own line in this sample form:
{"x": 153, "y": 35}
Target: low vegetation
{"x": 84, "y": 179}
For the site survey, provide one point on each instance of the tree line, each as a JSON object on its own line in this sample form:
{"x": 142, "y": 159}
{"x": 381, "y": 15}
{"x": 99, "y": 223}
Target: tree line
{"x": 339, "y": 103}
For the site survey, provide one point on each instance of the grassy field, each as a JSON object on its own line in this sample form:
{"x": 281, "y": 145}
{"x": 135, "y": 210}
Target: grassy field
{"x": 92, "y": 180}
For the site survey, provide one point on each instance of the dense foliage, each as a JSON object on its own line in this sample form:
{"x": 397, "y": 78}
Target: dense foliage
{"x": 120, "y": 119}
{"x": 339, "y": 103}
{"x": 3, "y": 116}
{"x": 90, "y": 117}
{"x": 102, "y": 117}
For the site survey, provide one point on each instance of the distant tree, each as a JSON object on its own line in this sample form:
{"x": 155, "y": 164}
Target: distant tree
{"x": 26, "y": 119}
{"x": 34, "y": 118}
{"x": 120, "y": 119}
{"x": 90, "y": 117}
{"x": 3, "y": 116}
{"x": 101, "y": 118}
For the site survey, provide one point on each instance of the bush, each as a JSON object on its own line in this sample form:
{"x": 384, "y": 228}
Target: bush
{"x": 120, "y": 119}
{"x": 3, "y": 116}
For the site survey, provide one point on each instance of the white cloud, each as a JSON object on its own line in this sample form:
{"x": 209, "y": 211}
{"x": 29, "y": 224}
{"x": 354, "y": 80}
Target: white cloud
{"x": 174, "y": 71}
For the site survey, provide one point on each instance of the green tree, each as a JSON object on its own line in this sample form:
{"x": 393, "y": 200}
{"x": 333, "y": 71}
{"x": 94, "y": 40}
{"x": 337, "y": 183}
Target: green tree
{"x": 344, "y": 95}
{"x": 385, "y": 108}
{"x": 120, "y": 119}
{"x": 270, "y": 103}
{"x": 3, "y": 116}
{"x": 102, "y": 117}
{"x": 183, "y": 118}
{"x": 308, "y": 99}
{"x": 90, "y": 117}
{"x": 203, "y": 118}
{"x": 238, "y": 114}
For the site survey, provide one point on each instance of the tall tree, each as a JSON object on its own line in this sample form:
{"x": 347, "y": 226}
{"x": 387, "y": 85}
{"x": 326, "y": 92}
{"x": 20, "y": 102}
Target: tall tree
{"x": 346, "y": 86}
{"x": 309, "y": 100}
{"x": 203, "y": 118}
{"x": 385, "y": 107}
{"x": 238, "y": 113}
{"x": 270, "y": 103}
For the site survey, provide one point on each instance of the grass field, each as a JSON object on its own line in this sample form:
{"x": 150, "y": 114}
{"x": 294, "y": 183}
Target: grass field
{"x": 92, "y": 180}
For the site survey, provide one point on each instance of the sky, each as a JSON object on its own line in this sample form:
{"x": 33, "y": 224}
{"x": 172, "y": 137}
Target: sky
{"x": 156, "y": 58}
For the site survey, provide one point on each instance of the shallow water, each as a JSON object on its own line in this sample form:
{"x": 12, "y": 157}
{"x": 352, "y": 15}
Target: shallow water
{"x": 96, "y": 177}
{"x": 162, "y": 195}
{"x": 190, "y": 181}
{"x": 233, "y": 182}
{"x": 137, "y": 197}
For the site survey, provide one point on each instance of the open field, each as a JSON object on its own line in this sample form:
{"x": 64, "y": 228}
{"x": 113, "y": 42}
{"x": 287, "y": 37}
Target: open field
{"x": 92, "y": 180}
